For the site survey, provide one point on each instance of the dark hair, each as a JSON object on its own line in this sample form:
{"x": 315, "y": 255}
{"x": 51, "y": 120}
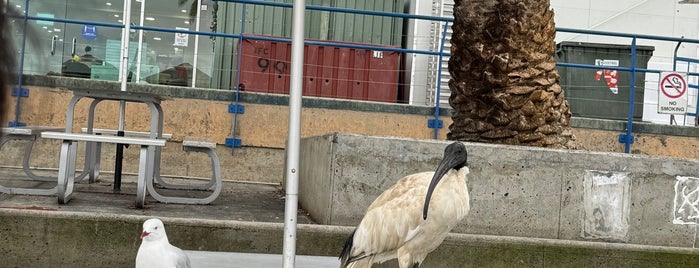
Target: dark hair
{"x": 7, "y": 58}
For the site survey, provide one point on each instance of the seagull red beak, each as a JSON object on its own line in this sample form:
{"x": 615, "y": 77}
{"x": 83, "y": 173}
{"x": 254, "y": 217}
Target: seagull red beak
{"x": 144, "y": 234}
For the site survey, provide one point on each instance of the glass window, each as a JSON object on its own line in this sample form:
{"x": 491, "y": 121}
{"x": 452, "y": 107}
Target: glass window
{"x": 92, "y": 50}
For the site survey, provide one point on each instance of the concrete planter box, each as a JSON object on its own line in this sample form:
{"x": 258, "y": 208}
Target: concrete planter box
{"x": 514, "y": 191}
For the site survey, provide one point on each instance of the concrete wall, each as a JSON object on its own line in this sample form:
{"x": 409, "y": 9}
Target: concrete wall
{"x": 515, "y": 191}
{"x": 30, "y": 238}
{"x": 263, "y": 127}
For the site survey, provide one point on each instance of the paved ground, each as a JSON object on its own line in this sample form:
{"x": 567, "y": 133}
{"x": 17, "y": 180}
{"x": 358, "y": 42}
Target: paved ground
{"x": 205, "y": 259}
{"x": 238, "y": 201}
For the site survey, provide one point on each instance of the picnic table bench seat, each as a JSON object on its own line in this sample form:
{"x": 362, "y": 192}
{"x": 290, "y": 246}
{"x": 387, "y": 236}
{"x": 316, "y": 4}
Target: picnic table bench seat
{"x": 69, "y": 151}
{"x": 193, "y": 144}
{"x": 30, "y": 135}
{"x": 95, "y": 148}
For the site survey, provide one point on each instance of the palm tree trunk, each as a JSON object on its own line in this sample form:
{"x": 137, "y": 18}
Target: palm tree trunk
{"x": 504, "y": 83}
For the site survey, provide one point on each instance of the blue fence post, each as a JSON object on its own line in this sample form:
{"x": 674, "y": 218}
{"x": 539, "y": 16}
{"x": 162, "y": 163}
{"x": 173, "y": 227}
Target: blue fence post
{"x": 689, "y": 61}
{"x": 21, "y": 91}
{"x": 437, "y": 124}
{"x": 234, "y": 142}
{"x": 628, "y": 138}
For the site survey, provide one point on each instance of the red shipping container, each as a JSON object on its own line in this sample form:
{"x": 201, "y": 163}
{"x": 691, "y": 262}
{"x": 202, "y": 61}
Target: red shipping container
{"x": 331, "y": 72}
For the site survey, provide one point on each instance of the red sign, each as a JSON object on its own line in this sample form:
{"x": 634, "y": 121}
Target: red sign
{"x": 673, "y": 85}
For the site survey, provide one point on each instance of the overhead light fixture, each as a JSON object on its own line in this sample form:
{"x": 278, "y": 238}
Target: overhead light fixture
{"x": 108, "y": 3}
{"x": 157, "y": 38}
{"x": 150, "y": 18}
{"x": 184, "y": 11}
{"x": 120, "y": 21}
{"x": 186, "y": 22}
{"x": 116, "y": 15}
{"x": 57, "y": 30}
{"x": 18, "y": 6}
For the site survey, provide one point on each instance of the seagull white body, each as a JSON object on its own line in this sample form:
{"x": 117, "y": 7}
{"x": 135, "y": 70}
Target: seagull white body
{"x": 156, "y": 251}
{"x": 397, "y": 225}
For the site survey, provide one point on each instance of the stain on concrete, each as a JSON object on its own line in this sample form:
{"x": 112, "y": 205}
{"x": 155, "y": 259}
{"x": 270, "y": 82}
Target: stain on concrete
{"x": 606, "y": 201}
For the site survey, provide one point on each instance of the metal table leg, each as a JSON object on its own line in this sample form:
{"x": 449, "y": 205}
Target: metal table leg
{"x": 66, "y": 171}
{"x": 145, "y": 176}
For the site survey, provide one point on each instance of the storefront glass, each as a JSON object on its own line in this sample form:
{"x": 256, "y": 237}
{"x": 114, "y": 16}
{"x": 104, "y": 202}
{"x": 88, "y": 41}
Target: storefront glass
{"x": 92, "y": 51}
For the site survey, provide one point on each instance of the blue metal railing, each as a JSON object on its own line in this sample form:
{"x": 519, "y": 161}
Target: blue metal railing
{"x": 241, "y": 36}
{"x": 438, "y": 123}
{"x": 689, "y": 61}
{"x": 343, "y": 10}
{"x": 237, "y": 81}
{"x": 16, "y": 122}
{"x": 626, "y": 138}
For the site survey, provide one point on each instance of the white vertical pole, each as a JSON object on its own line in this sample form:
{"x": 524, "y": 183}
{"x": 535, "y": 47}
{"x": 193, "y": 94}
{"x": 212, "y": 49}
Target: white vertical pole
{"x": 196, "y": 45}
{"x": 294, "y": 137}
{"x": 139, "y": 51}
{"x": 124, "y": 68}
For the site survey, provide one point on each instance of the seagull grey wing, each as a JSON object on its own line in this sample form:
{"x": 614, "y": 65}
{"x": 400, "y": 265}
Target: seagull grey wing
{"x": 182, "y": 259}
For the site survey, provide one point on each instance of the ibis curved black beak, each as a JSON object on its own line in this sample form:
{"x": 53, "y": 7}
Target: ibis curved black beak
{"x": 455, "y": 157}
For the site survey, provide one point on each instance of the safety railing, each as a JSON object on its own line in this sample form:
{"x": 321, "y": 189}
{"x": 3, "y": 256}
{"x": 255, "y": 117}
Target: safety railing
{"x": 235, "y": 106}
{"x": 626, "y": 138}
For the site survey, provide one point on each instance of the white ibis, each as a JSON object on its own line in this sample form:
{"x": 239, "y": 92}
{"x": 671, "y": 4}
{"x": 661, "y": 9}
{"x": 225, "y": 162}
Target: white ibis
{"x": 397, "y": 223}
{"x": 156, "y": 251}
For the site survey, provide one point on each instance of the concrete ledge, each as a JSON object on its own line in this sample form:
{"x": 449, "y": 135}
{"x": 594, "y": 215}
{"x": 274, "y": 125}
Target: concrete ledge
{"x": 638, "y": 127}
{"x": 328, "y": 103}
{"x": 229, "y": 95}
{"x": 514, "y": 191}
{"x": 31, "y": 238}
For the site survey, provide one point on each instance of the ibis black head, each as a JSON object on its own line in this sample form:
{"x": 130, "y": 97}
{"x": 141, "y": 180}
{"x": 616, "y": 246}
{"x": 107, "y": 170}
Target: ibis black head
{"x": 455, "y": 157}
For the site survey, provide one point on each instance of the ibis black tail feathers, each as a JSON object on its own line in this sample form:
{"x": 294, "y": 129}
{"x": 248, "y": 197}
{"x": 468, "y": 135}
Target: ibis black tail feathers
{"x": 345, "y": 256}
{"x": 346, "y": 251}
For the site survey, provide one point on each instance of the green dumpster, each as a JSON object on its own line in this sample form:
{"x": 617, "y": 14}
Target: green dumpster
{"x": 602, "y": 93}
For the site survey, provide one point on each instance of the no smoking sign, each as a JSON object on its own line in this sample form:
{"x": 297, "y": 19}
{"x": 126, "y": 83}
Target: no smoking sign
{"x": 672, "y": 93}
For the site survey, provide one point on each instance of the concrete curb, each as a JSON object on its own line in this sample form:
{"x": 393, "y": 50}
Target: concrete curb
{"x": 36, "y": 238}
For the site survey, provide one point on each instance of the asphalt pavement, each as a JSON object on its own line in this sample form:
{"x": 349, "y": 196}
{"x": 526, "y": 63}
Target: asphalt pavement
{"x": 208, "y": 259}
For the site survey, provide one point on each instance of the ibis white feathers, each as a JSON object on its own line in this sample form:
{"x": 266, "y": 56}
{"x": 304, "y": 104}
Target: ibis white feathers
{"x": 156, "y": 251}
{"x": 412, "y": 218}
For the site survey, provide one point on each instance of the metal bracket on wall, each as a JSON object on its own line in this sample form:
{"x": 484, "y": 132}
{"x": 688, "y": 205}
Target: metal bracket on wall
{"x": 20, "y": 91}
{"x": 233, "y": 142}
{"x": 623, "y": 138}
{"x": 16, "y": 124}
{"x": 236, "y": 108}
{"x": 432, "y": 123}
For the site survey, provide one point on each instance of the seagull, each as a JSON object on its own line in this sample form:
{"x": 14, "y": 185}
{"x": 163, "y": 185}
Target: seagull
{"x": 156, "y": 251}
